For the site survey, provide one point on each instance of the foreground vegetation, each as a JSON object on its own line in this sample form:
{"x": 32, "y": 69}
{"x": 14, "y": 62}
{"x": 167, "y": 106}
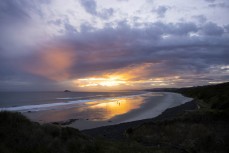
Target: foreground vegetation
{"x": 201, "y": 131}
{"x": 212, "y": 96}
{"x": 19, "y": 135}
{"x": 194, "y": 132}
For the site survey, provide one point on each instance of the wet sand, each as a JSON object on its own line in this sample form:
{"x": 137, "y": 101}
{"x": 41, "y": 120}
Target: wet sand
{"x": 151, "y": 107}
{"x": 117, "y": 131}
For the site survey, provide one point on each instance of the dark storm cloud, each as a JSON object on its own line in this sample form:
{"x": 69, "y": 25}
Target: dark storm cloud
{"x": 99, "y": 51}
{"x": 108, "y": 49}
{"x": 90, "y": 7}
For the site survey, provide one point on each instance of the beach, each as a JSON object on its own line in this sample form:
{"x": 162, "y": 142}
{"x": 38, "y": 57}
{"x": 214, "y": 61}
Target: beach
{"x": 117, "y": 131}
{"x": 110, "y": 111}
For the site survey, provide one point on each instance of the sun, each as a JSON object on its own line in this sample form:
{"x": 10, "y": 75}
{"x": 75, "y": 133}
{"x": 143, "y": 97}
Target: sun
{"x": 110, "y": 81}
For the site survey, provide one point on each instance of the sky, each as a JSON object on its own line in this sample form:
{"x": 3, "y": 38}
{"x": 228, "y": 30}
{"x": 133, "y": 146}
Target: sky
{"x": 109, "y": 45}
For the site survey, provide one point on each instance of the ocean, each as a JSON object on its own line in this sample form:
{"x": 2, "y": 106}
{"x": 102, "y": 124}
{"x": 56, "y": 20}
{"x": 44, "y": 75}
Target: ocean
{"x": 36, "y": 101}
{"x": 89, "y": 109}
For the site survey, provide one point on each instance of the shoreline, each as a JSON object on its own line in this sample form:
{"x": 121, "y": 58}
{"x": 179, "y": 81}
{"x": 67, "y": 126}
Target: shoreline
{"x": 183, "y": 128}
{"x": 152, "y": 107}
{"x": 116, "y": 132}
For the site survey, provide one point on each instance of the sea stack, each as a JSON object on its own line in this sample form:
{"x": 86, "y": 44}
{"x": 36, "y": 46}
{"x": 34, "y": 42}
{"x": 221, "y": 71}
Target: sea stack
{"x": 67, "y": 91}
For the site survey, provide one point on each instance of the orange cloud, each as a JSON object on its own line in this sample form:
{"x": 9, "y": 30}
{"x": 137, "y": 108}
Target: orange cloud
{"x": 134, "y": 72}
{"x": 52, "y": 63}
{"x": 118, "y": 79}
{"x": 132, "y": 77}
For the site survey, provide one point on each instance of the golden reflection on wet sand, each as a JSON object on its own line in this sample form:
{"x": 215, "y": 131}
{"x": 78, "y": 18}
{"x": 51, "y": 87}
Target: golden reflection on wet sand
{"x": 96, "y": 110}
{"x": 113, "y": 107}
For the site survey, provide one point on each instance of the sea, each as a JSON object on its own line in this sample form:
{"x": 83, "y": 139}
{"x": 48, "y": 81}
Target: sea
{"x": 38, "y": 101}
{"x": 89, "y": 109}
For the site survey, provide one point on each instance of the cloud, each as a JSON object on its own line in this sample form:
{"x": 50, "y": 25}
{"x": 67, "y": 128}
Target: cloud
{"x": 161, "y": 10}
{"x": 212, "y": 29}
{"x": 158, "y": 50}
{"x": 90, "y": 7}
{"x": 220, "y": 5}
{"x": 123, "y": 0}
{"x": 106, "y": 13}
{"x": 200, "y": 18}
{"x": 226, "y": 27}
{"x": 11, "y": 11}
{"x": 51, "y": 62}
{"x": 124, "y": 77}
{"x": 111, "y": 49}
{"x": 211, "y": 1}
{"x": 152, "y": 53}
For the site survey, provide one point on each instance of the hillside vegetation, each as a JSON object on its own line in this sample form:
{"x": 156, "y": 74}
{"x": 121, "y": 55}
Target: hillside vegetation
{"x": 201, "y": 131}
{"x": 19, "y": 135}
{"x": 214, "y": 96}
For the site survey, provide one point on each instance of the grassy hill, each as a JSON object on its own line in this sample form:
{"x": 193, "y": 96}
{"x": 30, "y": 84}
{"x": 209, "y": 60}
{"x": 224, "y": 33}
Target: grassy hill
{"x": 215, "y": 96}
{"x": 203, "y": 130}
{"x": 199, "y": 131}
{"x": 19, "y": 135}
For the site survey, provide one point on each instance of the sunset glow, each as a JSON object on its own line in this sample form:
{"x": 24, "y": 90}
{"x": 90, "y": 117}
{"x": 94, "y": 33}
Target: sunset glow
{"x": 123, "y": 81}
{"x": 91, "y": 45}
{"x": 106, "y": 82}
{"x": 116, "y": 107}
{"x": 52, "y": 63}
{"x": 116, "y": 71}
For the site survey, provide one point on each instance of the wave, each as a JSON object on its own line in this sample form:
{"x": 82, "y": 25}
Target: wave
{"x": 62, "y": 105}
{"x": 42, "y": 106}
{"x": 68, "y": 98}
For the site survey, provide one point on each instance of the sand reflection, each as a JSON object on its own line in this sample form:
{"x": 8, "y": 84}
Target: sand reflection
{"x": 113, "y": 107}
{"x": 98, "y": 110}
